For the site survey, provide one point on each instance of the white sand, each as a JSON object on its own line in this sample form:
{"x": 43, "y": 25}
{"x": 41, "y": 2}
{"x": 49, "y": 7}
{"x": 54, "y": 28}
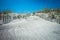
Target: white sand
{"x": 32, "y": 28}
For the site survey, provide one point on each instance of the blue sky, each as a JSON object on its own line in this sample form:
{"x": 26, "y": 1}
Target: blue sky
{"x": 28, "y": 5}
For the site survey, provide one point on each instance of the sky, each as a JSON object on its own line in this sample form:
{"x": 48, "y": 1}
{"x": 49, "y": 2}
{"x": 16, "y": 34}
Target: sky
{"x": 24, "y": 6}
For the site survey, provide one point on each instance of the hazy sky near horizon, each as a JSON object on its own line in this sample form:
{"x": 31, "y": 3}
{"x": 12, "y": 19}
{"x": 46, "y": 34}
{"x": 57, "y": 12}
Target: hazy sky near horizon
{"x": 28, "y": 5}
